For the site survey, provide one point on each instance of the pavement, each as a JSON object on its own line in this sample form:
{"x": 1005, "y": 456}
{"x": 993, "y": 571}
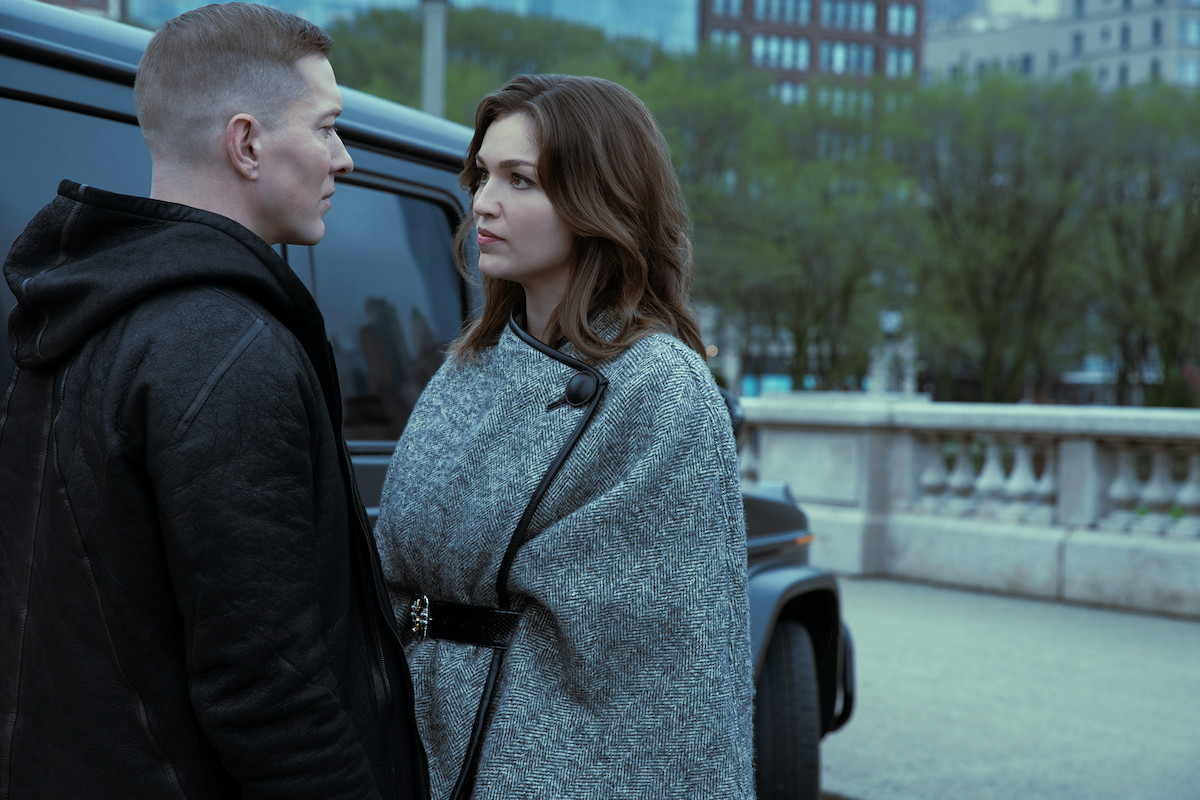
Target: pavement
{"x": 970, "y": 696}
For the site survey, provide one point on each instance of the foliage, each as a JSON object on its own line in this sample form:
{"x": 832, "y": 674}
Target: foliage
{"x": 1001, "y": 169}
{"x": 1146, "y": 248}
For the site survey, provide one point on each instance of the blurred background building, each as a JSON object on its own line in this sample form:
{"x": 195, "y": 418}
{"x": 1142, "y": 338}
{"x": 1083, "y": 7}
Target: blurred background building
{"x": 797, "y": 40}
{"x": 1116, "y": 42}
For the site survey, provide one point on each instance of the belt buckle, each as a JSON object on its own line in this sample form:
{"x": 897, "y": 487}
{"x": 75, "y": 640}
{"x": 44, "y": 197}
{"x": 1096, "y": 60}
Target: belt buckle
{"x": 419, "y": 614}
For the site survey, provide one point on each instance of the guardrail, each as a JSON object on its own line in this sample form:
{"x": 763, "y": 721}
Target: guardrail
{"x": 1080, "y": 503}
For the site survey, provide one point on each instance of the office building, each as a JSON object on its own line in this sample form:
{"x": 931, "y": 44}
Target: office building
{"x": 798, "y": 40}
{"x": 1116, "y": 42}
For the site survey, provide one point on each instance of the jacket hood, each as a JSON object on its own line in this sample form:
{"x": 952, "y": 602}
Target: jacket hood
{"x": 89, "y": 254}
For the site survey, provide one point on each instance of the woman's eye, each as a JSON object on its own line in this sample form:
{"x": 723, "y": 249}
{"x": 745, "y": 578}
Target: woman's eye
{"x": 521, "y": 182}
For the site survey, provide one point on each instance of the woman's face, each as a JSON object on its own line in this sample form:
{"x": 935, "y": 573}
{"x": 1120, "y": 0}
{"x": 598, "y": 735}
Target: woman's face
{"x": 521, "y": 237}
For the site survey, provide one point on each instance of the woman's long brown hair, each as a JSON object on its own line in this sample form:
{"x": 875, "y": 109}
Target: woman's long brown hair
{"x": 607, "y": 171}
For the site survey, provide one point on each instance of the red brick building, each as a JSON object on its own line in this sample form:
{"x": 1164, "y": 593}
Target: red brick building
{"x": 798, "y": 40}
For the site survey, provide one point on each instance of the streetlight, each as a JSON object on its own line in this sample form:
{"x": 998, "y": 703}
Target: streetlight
{"x": 433, "y": 57}
{"x": 889, "y": 323}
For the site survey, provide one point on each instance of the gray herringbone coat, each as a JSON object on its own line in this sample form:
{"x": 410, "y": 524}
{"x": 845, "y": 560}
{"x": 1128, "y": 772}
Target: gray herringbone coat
{"x": 630, "y": 673}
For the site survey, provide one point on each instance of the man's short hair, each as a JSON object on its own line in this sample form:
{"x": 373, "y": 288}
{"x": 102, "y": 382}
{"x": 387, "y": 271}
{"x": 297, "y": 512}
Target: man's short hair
{"x": 207, "y": 65}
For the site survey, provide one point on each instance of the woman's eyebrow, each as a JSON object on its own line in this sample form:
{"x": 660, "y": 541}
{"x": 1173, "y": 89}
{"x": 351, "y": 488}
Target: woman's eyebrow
{"x": 507, "y": 163}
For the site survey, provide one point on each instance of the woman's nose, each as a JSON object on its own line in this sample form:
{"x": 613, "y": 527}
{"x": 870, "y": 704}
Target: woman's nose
{"x": 484, "y": 202}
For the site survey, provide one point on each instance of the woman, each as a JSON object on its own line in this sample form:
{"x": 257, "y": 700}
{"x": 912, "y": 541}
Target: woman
{"x": 561, "y": 526}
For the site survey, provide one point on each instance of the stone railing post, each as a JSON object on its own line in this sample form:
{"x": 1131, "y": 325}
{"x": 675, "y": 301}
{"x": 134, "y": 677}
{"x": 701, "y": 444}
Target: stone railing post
{"x": 1084, "y": 476}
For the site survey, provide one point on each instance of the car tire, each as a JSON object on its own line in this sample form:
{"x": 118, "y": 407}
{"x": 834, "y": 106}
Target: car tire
{"x": 787, "y": 736}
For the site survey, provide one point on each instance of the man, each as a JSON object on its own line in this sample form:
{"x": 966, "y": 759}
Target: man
{"x": 190, "y": 600}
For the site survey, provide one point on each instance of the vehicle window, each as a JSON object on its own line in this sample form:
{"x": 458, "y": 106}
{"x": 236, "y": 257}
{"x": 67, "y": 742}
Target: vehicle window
{"x": 385, "y": 279}
{"x": 45, "y": 145}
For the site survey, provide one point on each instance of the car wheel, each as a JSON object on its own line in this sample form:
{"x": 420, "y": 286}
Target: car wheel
{"x": 787, "y": 718}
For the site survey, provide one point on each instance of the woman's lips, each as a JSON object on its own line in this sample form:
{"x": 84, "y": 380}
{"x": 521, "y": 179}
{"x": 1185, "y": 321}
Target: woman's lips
{"x": 485, "y": 237}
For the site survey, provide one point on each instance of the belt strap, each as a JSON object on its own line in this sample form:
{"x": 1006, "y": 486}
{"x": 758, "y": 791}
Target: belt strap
{"x": 481, "y": 626}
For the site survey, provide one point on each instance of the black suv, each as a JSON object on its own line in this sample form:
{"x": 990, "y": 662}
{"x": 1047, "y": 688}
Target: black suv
{"x": 385, "y": 279}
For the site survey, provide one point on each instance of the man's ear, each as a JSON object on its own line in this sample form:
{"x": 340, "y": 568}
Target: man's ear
{"x": 243, "y": 146}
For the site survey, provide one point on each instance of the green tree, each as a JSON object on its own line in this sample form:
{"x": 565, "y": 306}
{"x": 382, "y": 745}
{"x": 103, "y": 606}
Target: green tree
{"x": 814, "y": 237}
{"x": 1146, "y": 248}
{"x": 379, "y": 51}
{"x": 1001, "y": 168}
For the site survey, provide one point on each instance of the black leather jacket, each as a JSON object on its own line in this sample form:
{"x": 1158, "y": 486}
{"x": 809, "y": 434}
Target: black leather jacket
{"x": 190, "y": 600}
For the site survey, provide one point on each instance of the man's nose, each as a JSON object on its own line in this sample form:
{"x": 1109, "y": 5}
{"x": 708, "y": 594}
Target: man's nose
{"x": 342, "y": 163}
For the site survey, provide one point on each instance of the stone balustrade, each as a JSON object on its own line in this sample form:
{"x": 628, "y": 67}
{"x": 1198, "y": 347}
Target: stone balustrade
{"x": 1081, "y": 503}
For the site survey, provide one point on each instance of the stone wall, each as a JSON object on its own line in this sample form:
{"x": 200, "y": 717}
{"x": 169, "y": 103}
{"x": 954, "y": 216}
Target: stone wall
{"x": 1087, "y": 504}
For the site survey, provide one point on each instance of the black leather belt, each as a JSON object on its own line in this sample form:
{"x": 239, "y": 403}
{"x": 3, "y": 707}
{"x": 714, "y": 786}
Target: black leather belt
{"x": 458, "y": 622}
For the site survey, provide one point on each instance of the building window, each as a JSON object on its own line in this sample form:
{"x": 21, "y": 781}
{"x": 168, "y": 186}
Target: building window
{"x": 1027, "y": 64}
{"x": 893, "y": 19}
{"x": 1156, "y": 31}
{"x": 902, "y": 19}
{"x": 1188, "y": 71}
{"x": 1124, "y": 37}
{"x": 802, "y": 54}
{"x": 1079, "y": 8}
{"x": 838, "y": 65}
{"x": 824, "y": 57}
{"x": 1123, "y": 75}
{"x": 760, "y": 9}
{"x": 1102, "y": 75}
{"x": 891, "y": 64}
{"x": 826, "y": 13}
{"x": 908, "y": 62}
{"x": 868, "y": 59}
{"x": 1126, "y": 5}
{"x": 841, "y": 13}
{"x": 773, "y": 47}
{"x": 1077, "y": 43}
{"x": 1155, "y": 70}
{"x": 803, "y": 13}
{"x": 868, "y": 17}
{"x": 758, "y": 49}
{"x": 787, "y": 93}
{"x": 1105, "y": 35}
{"x": 1189, "y": 31}
{"x": 718, "y": 8}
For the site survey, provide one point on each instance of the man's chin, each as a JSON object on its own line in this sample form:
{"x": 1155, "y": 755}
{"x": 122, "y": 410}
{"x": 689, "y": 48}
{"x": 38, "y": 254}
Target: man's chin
{"x": 308, "y": 238}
